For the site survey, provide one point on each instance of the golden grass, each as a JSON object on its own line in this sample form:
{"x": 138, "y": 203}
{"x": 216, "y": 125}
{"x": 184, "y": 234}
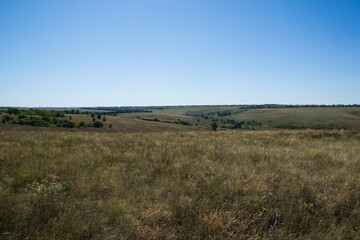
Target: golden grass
{"x": 179, "y": 185}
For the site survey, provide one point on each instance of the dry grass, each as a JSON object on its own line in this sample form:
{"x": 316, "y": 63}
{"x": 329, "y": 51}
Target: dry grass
{"x": 180, "y": 185}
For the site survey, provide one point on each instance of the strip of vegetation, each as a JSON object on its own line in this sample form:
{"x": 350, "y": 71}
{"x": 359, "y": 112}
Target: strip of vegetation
{"x": 178, "y": 121}
{"x": 232, "y": 124}
{"x": 115, "y": 110}
{"x": 43, "y": 118}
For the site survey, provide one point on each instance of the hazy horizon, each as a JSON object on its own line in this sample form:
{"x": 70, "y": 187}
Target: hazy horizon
{"x": 176, "y": 53}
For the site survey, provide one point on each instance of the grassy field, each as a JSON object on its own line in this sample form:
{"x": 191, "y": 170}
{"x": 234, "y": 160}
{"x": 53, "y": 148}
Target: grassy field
{"x": 201, "y": 118}
{"x": 270, "y": 118}
{"x": 60, "y": 183}
{"x": 311, "y": 117}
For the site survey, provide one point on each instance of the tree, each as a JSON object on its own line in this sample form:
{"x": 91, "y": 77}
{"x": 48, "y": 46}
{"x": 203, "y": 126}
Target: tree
{"x": 110, "y": 125}
{"x": 77, "y": 111}
{"x": 104, "y": 119}
{"x": 13, "y": 111}
{"x": 214, "y": 126}
{"x": 99, "y": 116}
{"x": 98, "y": 124}
{"x": 7, "y": 118}
{"x": 82, "y": 124}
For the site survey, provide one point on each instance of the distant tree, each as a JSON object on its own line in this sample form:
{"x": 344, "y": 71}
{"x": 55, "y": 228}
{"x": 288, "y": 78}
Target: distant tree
{"x": 77, "y": 111}
{"x": 68, "y": 124}
{"x": 99, "y": 116}
{"x": 82, "y": 124}
{"x": 60, "y": 115}
{"x": 13, "y": 111}
{"x": 72, "y": 111}
{"x": 93, "y": 119}
{"x": 110, "y": 125}
{"x": 214, "y": 126}
{"x": 92, "y": 115}
{"x": 104, "y": 119}
{"x": 98, "y": 124}
{"x": 7, "y": 118}
{"x": 21, "y": 116}
{"x": 46, "y": 118}
{"x": 70, "y": 117}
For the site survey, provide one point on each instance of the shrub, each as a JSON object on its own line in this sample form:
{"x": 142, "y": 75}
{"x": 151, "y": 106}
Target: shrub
{"x": 104, "y": 119}
{"x": 37, "y": 122}
{"x": 60, "y": 115}
{"x": 21, "y": 116}
{"x": 13, "y": 111}
{"x": 98, "y": 124}
{"x": 7, "y": 118}
{"x": 214, "y": 126}
{"x": 82, "y": 124}
{"x": 54, "y": 120}
{"x": 68, "y": 124}
{"x": 46, "y": 118}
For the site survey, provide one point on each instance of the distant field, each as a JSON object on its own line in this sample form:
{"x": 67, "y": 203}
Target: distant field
{"x": 201, "y": 118}
{"x": 58, "y": 183}
{"x": 164, "y": 174}
{"x": 304, "y": 117}
{"x": 311, "y": 117}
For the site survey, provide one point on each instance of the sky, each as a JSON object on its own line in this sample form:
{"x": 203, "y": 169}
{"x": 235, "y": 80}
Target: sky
{"x": 66, "y": 53}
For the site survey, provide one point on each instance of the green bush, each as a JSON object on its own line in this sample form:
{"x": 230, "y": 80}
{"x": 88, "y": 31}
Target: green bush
{"x": 7, "y": 118}
{"x": 82, "y": 124}
{"x": 22, "y": 116}
{"x": 13, "y": 111}
{"x": 68, "y": 124}
{"x": 45, "y": 118}
{"x": 214, "y": 126}
{"x": 38, "y": 122}
{"x": 98, "y": 124}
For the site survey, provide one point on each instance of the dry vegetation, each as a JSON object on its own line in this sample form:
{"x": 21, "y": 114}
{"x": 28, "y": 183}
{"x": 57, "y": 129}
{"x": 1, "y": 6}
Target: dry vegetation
{"x": 180, "y": 185}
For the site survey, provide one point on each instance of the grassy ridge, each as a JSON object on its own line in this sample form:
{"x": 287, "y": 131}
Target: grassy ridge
{"x": 179, "y": 185}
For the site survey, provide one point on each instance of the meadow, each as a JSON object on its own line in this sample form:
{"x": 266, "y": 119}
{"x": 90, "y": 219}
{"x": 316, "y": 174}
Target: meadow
{"x": 59, "y": 183}
{"x": 188, "y": 118}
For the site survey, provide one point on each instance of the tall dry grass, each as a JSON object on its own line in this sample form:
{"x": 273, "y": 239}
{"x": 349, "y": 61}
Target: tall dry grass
{"x": 184, "y": 185}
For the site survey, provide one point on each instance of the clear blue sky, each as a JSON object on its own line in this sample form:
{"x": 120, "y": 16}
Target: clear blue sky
{"x": 179, "y": 52}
